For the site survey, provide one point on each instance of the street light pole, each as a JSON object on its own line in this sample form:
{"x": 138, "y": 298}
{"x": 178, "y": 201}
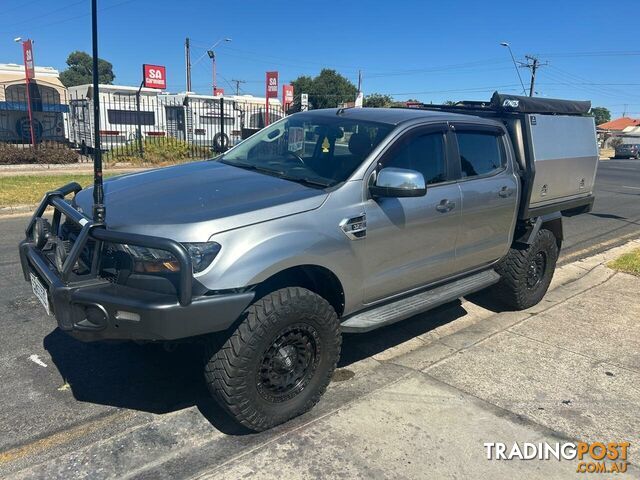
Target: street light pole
{"x": 505, "y": 44}
{"x": 212, "y": 56}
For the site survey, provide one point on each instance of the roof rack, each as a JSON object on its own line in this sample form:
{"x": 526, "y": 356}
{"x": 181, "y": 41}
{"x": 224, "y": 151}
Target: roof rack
{"x": 501, "y": 104}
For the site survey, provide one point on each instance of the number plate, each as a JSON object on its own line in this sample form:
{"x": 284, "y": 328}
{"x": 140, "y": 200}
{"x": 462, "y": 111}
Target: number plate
{"x": 41, "y": 292}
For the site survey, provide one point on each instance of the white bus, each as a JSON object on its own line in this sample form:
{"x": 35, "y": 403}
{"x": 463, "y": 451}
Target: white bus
{"x": 120, "y": 121}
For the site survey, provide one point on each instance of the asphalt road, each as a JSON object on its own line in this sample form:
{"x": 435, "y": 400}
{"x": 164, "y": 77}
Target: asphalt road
{"x": 58, "y": 395}
{"x": 616, "y": 214}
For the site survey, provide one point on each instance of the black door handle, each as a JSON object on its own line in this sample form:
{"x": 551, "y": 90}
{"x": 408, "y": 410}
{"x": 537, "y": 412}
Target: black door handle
{"x": 505, "y": 192}
{"x": 445, "y": 206}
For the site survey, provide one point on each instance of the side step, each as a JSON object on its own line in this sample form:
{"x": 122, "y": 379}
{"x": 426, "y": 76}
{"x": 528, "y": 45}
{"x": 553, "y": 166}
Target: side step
{"x": 421, "y": 302}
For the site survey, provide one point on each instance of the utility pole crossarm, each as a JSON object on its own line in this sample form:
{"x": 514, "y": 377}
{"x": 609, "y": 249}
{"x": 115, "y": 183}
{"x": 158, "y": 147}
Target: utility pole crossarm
{"x": 238, "y": 82}
{"x": 533, "y": 63}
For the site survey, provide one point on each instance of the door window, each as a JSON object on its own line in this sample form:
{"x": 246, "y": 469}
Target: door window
{"x": 480, "y": 153}
{"x": 423, "y": 153}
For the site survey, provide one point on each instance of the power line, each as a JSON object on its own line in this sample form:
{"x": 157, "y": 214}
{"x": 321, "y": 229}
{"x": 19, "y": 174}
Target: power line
{"x": 76, "y": 17}
{"x": 30, "y": 19}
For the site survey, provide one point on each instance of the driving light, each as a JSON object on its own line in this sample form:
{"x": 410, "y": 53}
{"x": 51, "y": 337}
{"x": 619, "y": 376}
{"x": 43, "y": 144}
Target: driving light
{"x": 40, "y": 232}
{"x": 151, "y": 260}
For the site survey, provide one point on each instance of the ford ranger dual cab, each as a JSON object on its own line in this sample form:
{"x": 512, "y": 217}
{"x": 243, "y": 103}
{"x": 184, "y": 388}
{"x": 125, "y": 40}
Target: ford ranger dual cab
{"x": 327, "y": 221}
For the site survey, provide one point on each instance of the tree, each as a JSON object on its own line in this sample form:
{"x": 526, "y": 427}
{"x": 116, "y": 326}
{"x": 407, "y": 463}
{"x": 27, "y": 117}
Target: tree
{"x": 615, "y": 142}
{"x": 80, "y": 70}
{"x": 601, "y": 115}
{"x": 378, "y": 100}
{"x": 326, "y": 90}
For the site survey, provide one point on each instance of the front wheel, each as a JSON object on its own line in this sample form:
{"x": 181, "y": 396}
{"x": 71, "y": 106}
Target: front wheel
{"x": 527, "y": 272}
{"x": 279, "y": 361}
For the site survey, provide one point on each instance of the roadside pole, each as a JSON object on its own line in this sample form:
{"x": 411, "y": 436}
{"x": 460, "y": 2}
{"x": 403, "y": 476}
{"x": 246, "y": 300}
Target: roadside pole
{"x": 139, "y": 122}
{"x": 29, "y": 73}
{"x": 222, "y": 144}
{"x": 153, "y": 76}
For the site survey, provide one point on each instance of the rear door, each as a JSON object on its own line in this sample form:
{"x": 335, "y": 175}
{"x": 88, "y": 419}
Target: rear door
{"x": 489, "y": 188}
{"x": 411, "y": 241}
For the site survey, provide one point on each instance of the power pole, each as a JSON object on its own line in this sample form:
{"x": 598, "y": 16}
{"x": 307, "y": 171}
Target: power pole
{"x": 533, "y": 63}
{"x": 187, "y": 54}
{"x": 238, "y": 82}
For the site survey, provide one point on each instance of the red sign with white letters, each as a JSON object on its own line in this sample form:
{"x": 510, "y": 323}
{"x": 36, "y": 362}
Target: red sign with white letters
{"x": 272, "y": 84}
{"x": 29, "y": 66}
{"x": 287, "y": 95}
{"x": 155, "y": 76}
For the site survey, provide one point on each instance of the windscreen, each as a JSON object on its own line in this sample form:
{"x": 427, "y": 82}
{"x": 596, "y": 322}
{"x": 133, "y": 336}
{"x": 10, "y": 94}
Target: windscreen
{"x": 315, "y": 149}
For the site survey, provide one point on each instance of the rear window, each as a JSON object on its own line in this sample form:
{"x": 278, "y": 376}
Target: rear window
{"x": 480, "y": 153}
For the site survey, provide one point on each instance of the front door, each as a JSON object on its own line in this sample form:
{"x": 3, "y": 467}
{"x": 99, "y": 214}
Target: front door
{"x": 411, "y": 241}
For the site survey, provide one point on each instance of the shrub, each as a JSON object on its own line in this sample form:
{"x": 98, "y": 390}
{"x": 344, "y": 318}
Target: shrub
{"x": 45, "y": 153}
{"x": 157, "y": 151}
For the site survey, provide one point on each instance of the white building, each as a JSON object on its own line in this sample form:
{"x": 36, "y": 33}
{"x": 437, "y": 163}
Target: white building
{"x": 49, "y": 102}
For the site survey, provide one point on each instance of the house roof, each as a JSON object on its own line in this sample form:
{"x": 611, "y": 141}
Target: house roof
{"x": 619, "y": 124}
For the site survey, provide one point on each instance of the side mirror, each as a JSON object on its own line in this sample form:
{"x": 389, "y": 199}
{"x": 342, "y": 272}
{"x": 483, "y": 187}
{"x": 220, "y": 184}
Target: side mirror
{"x": 398, "y": 182}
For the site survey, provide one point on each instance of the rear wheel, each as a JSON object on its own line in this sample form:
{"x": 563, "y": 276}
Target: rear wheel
{"x": 279, "y": 361}
{"x": 527, "y": 272}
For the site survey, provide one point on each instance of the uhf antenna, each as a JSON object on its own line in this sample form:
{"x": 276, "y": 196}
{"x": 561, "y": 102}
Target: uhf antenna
{"x": 99, "y": 211}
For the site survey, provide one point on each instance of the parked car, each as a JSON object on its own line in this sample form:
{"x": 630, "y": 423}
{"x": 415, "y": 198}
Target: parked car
{"x": 327, "y": 221}
{"x": 628, "y": 150}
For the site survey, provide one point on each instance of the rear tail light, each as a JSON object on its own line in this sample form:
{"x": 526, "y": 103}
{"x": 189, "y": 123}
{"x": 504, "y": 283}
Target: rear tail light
{"x": 156, "y": 134}
{"x": 109, "y": 132}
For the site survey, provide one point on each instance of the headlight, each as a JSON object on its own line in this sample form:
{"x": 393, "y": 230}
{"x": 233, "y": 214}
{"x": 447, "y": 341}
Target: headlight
{"x": 151, "y": 260}
{"x": 202, "y": 254}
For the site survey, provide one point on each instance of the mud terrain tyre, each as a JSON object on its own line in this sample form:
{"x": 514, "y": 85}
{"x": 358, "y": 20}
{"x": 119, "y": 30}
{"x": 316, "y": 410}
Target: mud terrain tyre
{"x": 278, "y": 362}
{"x": 527, "y": 272}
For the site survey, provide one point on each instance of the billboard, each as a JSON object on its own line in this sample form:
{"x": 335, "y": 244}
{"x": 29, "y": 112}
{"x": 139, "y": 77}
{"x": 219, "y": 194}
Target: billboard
{"x": 155, "y": 76}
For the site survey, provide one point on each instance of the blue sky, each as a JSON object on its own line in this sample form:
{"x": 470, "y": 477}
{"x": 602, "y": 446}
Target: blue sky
{"x": 429, "y": 50}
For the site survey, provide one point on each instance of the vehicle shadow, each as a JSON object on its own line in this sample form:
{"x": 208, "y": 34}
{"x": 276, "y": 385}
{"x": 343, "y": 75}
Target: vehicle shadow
{"x": 139, "y": 377}
{"x": 149, "y": 379}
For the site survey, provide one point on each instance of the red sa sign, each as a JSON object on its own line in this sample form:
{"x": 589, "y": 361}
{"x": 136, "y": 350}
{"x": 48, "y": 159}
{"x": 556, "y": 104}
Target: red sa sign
{"x": 29, "y": 68}
{"x": 272, "y": 84}
{"x": 155, "y": 76}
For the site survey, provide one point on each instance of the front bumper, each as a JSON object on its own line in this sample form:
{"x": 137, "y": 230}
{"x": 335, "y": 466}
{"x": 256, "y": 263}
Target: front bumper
{"x": 90, "y": 307}
{"x": 96, "y": 309}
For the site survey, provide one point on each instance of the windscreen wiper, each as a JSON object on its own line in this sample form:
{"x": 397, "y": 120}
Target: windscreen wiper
{"x": 278, "y": 173}
{"x": 305, "y": 181}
